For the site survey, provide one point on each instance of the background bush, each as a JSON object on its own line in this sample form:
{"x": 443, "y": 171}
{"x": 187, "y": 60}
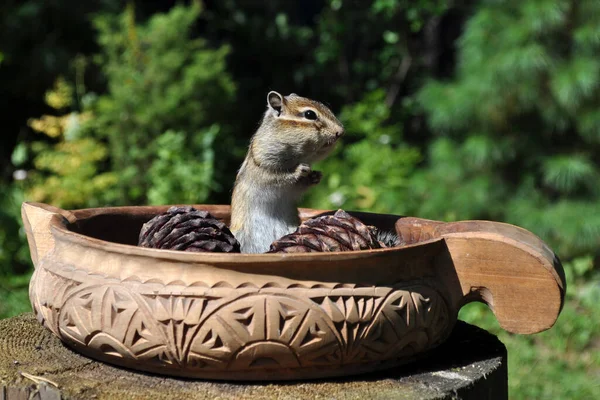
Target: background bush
{"x": 453, "y": 109}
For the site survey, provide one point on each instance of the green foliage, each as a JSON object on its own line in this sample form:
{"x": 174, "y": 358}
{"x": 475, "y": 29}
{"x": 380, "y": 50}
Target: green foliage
{"x": 14, "y": 295}
{"x": 516, "y": 139}
{"x": 190, "y": 175}
{"x": 522, "y": 117}
{"x": 167, "y": 93}
{"x": 67, "y": 169}
{"x": 449, "y": 190}
{"x": 150, "y": 139}
{"x": 365, "y": 46}
{"x": 376, "y": 64}
{"x": 564, "y": 361}
{"x": 356, "y": 180}
{"x": 14, "y": 253}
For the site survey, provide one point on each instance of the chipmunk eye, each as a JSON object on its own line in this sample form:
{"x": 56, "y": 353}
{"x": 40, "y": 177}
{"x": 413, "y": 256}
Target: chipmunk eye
{"x": 310, "y": 114}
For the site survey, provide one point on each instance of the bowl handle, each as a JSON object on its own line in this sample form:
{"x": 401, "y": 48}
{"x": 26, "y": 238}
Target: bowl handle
{"x": 510, "y": 269}
{"x": 37, "y": 219}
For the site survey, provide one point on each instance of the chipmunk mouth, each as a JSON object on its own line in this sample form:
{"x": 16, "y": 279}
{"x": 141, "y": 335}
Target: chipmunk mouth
{"x": 328, "y": 146}
{"x": 330, "y": 142}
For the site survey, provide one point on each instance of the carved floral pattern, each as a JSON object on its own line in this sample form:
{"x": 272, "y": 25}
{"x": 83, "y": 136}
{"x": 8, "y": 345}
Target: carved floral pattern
{"x": 200, "y": 328}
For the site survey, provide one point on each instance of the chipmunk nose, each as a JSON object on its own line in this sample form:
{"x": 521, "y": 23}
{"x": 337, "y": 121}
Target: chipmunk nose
{"x": 338, "y": 134}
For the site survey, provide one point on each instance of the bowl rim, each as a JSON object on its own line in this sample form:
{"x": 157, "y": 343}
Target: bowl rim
{"x": 60, "y": 228}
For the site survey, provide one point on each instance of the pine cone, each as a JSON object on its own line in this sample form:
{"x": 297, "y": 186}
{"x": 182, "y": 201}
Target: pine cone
{"x": 188, "y": 229}
{"x": 338, "y": 232}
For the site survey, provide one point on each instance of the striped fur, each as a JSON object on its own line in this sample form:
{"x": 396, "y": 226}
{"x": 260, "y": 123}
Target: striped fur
{"x": 276, "y": 170}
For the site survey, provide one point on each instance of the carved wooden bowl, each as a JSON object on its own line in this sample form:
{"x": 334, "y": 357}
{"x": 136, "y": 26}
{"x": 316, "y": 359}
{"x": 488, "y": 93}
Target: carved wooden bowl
{"x": 278, "y": 316}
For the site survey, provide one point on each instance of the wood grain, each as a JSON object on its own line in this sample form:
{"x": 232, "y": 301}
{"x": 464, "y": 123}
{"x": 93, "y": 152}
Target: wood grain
{"x": 278, "y": 316}
{"x": 502, "y": 265}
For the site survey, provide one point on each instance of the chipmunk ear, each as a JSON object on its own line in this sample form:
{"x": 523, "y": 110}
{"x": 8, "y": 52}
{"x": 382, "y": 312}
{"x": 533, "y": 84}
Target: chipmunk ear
{"x": 275, "y": 101}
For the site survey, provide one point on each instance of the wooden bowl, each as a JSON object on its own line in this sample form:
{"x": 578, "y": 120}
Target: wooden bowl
{"x": 278, "y": 316}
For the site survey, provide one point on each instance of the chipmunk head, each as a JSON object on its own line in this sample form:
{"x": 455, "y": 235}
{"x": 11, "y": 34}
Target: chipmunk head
{"x": 296, "y": 129}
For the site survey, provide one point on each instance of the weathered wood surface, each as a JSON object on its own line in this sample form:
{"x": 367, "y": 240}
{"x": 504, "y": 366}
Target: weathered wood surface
{"x": 34, "y": 364}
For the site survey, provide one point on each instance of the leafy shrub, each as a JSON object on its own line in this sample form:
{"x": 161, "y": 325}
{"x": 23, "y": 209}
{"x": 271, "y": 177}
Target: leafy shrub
{"x": 168, "y": 93}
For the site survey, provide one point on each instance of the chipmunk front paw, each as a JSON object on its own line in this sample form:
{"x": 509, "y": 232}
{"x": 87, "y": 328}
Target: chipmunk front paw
{"x": 305, "y": 175}
{"x": 302, "y": 171}
{"x": 314, "y": 177}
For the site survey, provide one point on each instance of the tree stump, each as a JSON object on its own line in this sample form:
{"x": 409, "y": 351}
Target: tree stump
{"x": 34, "y": 364}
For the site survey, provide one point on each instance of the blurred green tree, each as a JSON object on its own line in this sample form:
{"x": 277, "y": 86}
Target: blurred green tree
{"x": 67, "y": 171}
{"x": 374, "y": 56}
{"x": 168, "y": 95}
{"x": 38, "y": 41}
{"x": 518, "y": 128}
{"x": 151, "y": 137}
{"x": 371, "y": 170}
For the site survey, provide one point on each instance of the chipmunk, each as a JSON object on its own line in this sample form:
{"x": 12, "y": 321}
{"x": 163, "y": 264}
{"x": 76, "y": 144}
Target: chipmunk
{"x": 294, "y": 132}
